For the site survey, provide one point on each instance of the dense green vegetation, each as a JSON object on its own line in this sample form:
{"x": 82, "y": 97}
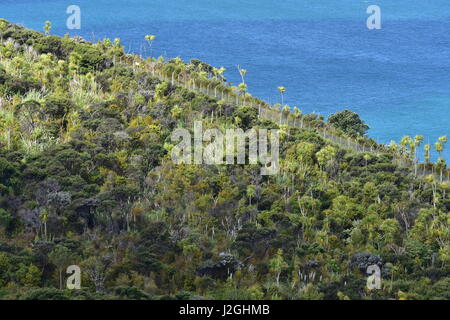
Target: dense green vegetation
{"x": 86, "y": 178}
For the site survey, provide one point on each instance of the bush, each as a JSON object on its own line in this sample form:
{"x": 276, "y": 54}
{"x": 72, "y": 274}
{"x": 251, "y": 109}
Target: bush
{"x": 58, "y": 107}
{"x": 16, "y": 86}
{"x": 90, "y": 58}
{"x": 131, "y": 293}
{"x": 45, "y": 294}
{"x": 51, "y": 44}
{"x": 22, "y": 36}
{"x": 247, "y": 116}
{"x": 349, "y": 122}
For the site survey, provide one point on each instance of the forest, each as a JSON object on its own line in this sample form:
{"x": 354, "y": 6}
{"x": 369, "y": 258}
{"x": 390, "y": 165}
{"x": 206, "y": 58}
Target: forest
{"x": 87, "y": 179}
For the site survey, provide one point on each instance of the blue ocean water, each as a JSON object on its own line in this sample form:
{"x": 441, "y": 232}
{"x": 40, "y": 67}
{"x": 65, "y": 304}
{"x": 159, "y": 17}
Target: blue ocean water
{"x": 396, "y": 78}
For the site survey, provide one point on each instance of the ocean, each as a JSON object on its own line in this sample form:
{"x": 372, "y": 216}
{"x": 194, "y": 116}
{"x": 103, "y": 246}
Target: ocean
{"x": 397, "y": 78}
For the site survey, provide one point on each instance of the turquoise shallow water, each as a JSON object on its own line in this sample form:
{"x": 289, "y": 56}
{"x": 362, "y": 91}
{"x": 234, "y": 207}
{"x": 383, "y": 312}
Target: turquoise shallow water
{"x": 396, "y": 78}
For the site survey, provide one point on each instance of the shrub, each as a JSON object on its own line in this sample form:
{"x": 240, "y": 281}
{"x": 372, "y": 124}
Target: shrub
{"x": 45, "y": 294}
{"x": 90, "y": 58}
{"x": 349, "y": 122}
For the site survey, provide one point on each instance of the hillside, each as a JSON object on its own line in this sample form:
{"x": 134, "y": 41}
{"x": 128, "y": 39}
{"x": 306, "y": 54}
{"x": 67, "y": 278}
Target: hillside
{"x": 87, "y": 179}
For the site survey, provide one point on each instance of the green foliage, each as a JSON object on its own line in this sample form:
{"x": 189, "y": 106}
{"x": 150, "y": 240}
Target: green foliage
{"x": 45, "y": 294}
{"x": 88, "y": 58}
{"x": 244, "y": 117}
{"x": 349, "y": 122}
{"x": 28, "y": 276}
{"x": 86, "y": 178}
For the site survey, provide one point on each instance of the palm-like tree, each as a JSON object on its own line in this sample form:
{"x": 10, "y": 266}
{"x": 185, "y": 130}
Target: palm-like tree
{"x": 218, "y": 73}
{"x": 393, "y": 146}
{"x": 441, "y": 164}
{"x": 279, "y": 107}
{"x": 221, "y": 72}
{"x": 414, "y": 145}
{"x": 418, "y": 140}
{"x": 286, "y": 110}
{"x": 405, "y": 142}
{"x": 297, "y": 114}
{"x": 47, "y": 27}
{"x": 220, "y": 105}
{"x": 251, "y": 191}
{"x": 150, "y": 38}
{"x": 282, "y": 90}
{"x": 427, "y": 149}
{"x": 242, "y": 89}
{"x": 443, "y": 139}
{"x": 242, "y": 72}
{"x": 44, "y": 218}
{"x": 439, "y": 147}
